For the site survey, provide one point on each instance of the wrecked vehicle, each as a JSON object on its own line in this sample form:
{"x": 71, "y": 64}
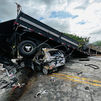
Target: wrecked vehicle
{"x": 49, "y": 59}
{"x": 23, "y": 38}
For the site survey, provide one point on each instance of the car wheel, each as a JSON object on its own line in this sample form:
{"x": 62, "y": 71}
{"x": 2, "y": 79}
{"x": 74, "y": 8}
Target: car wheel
{"x": 45, "y": 71}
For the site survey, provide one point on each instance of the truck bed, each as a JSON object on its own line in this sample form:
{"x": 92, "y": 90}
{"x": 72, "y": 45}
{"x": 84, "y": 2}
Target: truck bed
{"x": 6, "y": 29}
{"x": 40, "y": 28}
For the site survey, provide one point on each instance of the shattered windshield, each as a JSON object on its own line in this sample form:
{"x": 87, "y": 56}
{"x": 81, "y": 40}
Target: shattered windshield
{"x": 54, "y": 53}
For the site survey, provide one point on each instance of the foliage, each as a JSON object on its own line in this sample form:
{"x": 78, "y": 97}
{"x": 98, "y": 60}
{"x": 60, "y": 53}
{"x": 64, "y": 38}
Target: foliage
{"x": 81, "y": 40}
{"x": 97, "y": 43}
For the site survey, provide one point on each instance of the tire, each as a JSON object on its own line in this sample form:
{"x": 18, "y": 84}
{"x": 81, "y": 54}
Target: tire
{"x": 27, "y": 48}
{"x": 45, "y": 71}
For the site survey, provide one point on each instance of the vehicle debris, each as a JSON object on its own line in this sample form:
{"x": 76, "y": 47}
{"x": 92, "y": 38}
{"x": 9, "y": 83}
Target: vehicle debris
{"x": 92, "y": 66}
{"x": 34, "y": 45}
{"x": 18, "y": 85}
{"x": 86, "y": 88}
{"x": 84, "y": 59}
{"x": 41, "y": 92}
{"x": 33, "y": 38}
{"x": 52, "y": 79}
{"x": 78, "y": 73}
{"x": 49, "y": 59}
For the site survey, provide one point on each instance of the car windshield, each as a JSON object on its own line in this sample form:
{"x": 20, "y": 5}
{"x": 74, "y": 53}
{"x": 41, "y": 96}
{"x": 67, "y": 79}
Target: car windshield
{"x": 54, "y": 53}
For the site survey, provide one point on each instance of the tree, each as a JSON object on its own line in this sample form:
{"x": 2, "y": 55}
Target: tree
{"x": 97, "y": 43}
{"x": 81, "y": 40}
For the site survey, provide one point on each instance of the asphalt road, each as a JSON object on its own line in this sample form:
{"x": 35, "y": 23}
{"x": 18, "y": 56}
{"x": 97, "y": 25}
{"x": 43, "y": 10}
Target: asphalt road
{"x": 76, "y": 81}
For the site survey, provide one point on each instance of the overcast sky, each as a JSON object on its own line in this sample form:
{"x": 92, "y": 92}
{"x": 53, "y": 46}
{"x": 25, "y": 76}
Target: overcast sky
{"x": 80, "y": 17}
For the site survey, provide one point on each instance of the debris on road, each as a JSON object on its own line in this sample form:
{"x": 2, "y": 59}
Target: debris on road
{"x": 52, "y": 79}
{"x": 86, "y": 88}
{"x": 40, "y": 93}
{"x": 78, "y": 73}
{"x": 92, "y": 66}
{"x": 36, "y": 46}
{"x": 84, "y": 59}
{"x": 49, "y": 59}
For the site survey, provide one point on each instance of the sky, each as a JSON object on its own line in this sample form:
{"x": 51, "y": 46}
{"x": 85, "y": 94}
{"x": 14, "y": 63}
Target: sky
{"x": 78, "y": 17}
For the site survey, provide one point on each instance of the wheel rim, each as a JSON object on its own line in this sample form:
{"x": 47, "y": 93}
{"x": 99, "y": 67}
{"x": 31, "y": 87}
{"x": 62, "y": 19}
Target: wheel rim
{"x": 45, "y": 71}
{"x": 22, "y": 64}
{"x": 27, "y": 48}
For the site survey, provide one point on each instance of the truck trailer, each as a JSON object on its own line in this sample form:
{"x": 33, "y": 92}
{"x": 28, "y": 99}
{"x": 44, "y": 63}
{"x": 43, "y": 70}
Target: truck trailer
{"x": 25, "y": 37}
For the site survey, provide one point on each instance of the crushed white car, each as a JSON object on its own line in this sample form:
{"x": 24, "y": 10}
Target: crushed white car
{"x": 50, "y": 59}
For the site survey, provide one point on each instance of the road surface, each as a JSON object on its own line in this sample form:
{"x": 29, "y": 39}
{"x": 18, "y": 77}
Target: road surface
{"x": 76, "y": 81}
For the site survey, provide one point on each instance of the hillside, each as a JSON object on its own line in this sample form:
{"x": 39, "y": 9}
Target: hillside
{"x": 97, "y": 43}
{"x": 77, "y": 38}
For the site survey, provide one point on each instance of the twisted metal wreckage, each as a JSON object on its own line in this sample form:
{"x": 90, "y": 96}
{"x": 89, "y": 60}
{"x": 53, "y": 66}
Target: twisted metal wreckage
{"x": 34, "y": 45}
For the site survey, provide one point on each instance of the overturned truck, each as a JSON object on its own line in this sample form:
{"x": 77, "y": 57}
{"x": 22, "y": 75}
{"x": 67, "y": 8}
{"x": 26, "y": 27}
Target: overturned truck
{"x": 30, "y": 41}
